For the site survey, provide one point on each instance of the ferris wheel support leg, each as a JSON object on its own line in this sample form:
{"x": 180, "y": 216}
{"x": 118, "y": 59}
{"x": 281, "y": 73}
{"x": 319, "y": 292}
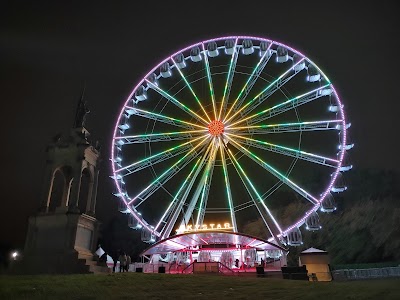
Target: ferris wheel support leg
{"x": 196, "y": 195}
{"x": 171, "y": 222}
{"x": 251, "y": 189}
{"x": 228, "y": 187}
{"x": 206, "y": 186}
{"x": 178, "y": 208}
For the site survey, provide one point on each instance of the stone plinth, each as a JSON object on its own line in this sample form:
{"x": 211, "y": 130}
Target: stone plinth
{"x": 60, "y": 243}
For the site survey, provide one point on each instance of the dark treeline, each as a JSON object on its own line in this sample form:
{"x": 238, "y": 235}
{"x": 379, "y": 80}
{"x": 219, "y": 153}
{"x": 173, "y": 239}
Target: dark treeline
{"x": 365, "y": 228}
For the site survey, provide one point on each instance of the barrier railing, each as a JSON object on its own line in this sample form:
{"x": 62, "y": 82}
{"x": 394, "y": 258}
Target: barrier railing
{"x": 208, "y": 267}
{"x": 357, "y": 274}
{"x": 226, "y": 270}
{"x": 188, "y": 269}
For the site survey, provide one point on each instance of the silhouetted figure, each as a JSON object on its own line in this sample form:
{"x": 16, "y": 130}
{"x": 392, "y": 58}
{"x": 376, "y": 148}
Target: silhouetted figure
{"x": 97, "y": 146}
{"x": 115, "y": 259}
{"x": 237, "y": 263}
{"x": 128, "y": 262}
{"x": 122, "y": 262}
{"x": 81, "y": 112}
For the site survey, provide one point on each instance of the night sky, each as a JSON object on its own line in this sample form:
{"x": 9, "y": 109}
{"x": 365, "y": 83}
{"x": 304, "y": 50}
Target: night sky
{"x": 49, "y": 51}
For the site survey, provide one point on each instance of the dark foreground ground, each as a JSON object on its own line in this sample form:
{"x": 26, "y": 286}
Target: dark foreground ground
{"x": 166, "y": 286}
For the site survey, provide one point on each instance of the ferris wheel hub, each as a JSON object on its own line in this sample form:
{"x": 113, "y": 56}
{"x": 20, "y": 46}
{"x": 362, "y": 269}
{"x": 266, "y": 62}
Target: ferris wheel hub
{"x": 216, "y": 128}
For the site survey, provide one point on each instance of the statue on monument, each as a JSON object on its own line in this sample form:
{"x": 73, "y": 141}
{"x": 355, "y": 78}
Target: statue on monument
{"x": 81, "y": 112}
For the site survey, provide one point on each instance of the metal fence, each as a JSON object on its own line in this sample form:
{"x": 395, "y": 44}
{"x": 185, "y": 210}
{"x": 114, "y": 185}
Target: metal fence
{"x": 358, "y": 274}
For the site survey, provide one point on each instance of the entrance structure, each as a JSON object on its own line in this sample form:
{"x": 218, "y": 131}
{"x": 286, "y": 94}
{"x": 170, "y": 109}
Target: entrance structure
{"x": 215, "y": 251}
{"x": 62, "y": 236}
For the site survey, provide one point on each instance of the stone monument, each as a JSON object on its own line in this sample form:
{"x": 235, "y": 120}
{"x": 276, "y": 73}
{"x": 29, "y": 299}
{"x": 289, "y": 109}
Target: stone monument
{"x": 62, "y": 236}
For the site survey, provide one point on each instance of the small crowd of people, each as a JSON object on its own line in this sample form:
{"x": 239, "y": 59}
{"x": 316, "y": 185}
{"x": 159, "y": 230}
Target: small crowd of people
{"x": 123, "y": 258}
{"x": 124, "y": 262}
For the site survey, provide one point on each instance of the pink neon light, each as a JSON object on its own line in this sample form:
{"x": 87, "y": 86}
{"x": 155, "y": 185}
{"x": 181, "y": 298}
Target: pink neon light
{"x": 342, "y": 150}
{"x": 251, "y": 242}
{"x": 204, "y": 241}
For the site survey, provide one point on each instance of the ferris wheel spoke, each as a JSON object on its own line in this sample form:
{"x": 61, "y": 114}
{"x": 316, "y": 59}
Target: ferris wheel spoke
{"x": 210, "y": 83}
{"x": 160, "y": 137}
{"x": 176, "y": 102}
{"x": 161, "y": 118}
{"x": 274, "y": 172}
{"x": 228, "y": 187}
{"x": 254, "y": 195}
{"x": 229, "y": 80}
{"x": 206, "y": 184}
{"x": 269, "y": 90}
{"x": 156, "y": 158}
{"x": 191, "y": 89}
{"x": 182, "y": 195}
{"x": 286, "y": 127}
{"x": 311, "y": 157}
{"x": 174, "y": 204}
{"x": 166, "y": 175}
{"x": 250, "y": 82}
{"x": 285, "y": 106}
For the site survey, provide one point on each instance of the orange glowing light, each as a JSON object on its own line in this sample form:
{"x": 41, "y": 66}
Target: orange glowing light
{"x": 216, "y": 127}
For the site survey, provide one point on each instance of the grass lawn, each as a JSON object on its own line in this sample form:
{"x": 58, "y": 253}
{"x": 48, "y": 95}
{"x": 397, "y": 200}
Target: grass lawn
{"x": 167, "y": 286}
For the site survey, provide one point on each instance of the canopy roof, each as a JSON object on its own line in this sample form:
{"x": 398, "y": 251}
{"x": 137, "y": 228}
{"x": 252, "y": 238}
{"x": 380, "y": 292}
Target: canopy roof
{"x": 208, "y": 240}
{"x": 313, "y": 250}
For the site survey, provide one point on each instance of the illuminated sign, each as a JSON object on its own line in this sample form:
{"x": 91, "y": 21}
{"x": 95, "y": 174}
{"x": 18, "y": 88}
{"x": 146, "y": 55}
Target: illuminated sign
{"x": 204, "y": 227}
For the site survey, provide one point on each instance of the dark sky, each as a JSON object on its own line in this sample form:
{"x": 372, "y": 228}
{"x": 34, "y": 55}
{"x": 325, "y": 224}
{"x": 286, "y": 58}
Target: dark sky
{"x": 49, "y": 49}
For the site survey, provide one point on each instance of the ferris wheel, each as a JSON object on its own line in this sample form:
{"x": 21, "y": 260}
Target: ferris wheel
{"x": 230, "y": 130}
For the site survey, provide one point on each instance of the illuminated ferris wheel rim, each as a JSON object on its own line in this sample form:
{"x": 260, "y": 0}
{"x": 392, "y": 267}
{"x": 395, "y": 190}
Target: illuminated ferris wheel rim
{"x": 220, "y": 127}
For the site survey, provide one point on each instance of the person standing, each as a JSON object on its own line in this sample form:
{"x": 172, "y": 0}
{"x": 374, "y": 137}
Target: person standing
{"x": 115, "y": 256}
{"x": 128, "y": 262}
{"x": 122, "y": 262}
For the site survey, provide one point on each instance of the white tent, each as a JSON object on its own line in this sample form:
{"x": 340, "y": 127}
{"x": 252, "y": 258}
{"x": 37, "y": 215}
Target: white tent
{"x": 313, "y": 250}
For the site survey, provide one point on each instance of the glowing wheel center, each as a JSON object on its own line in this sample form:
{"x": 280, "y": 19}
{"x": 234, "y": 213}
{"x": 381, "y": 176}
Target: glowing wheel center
{"x": 216, "y": 127}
